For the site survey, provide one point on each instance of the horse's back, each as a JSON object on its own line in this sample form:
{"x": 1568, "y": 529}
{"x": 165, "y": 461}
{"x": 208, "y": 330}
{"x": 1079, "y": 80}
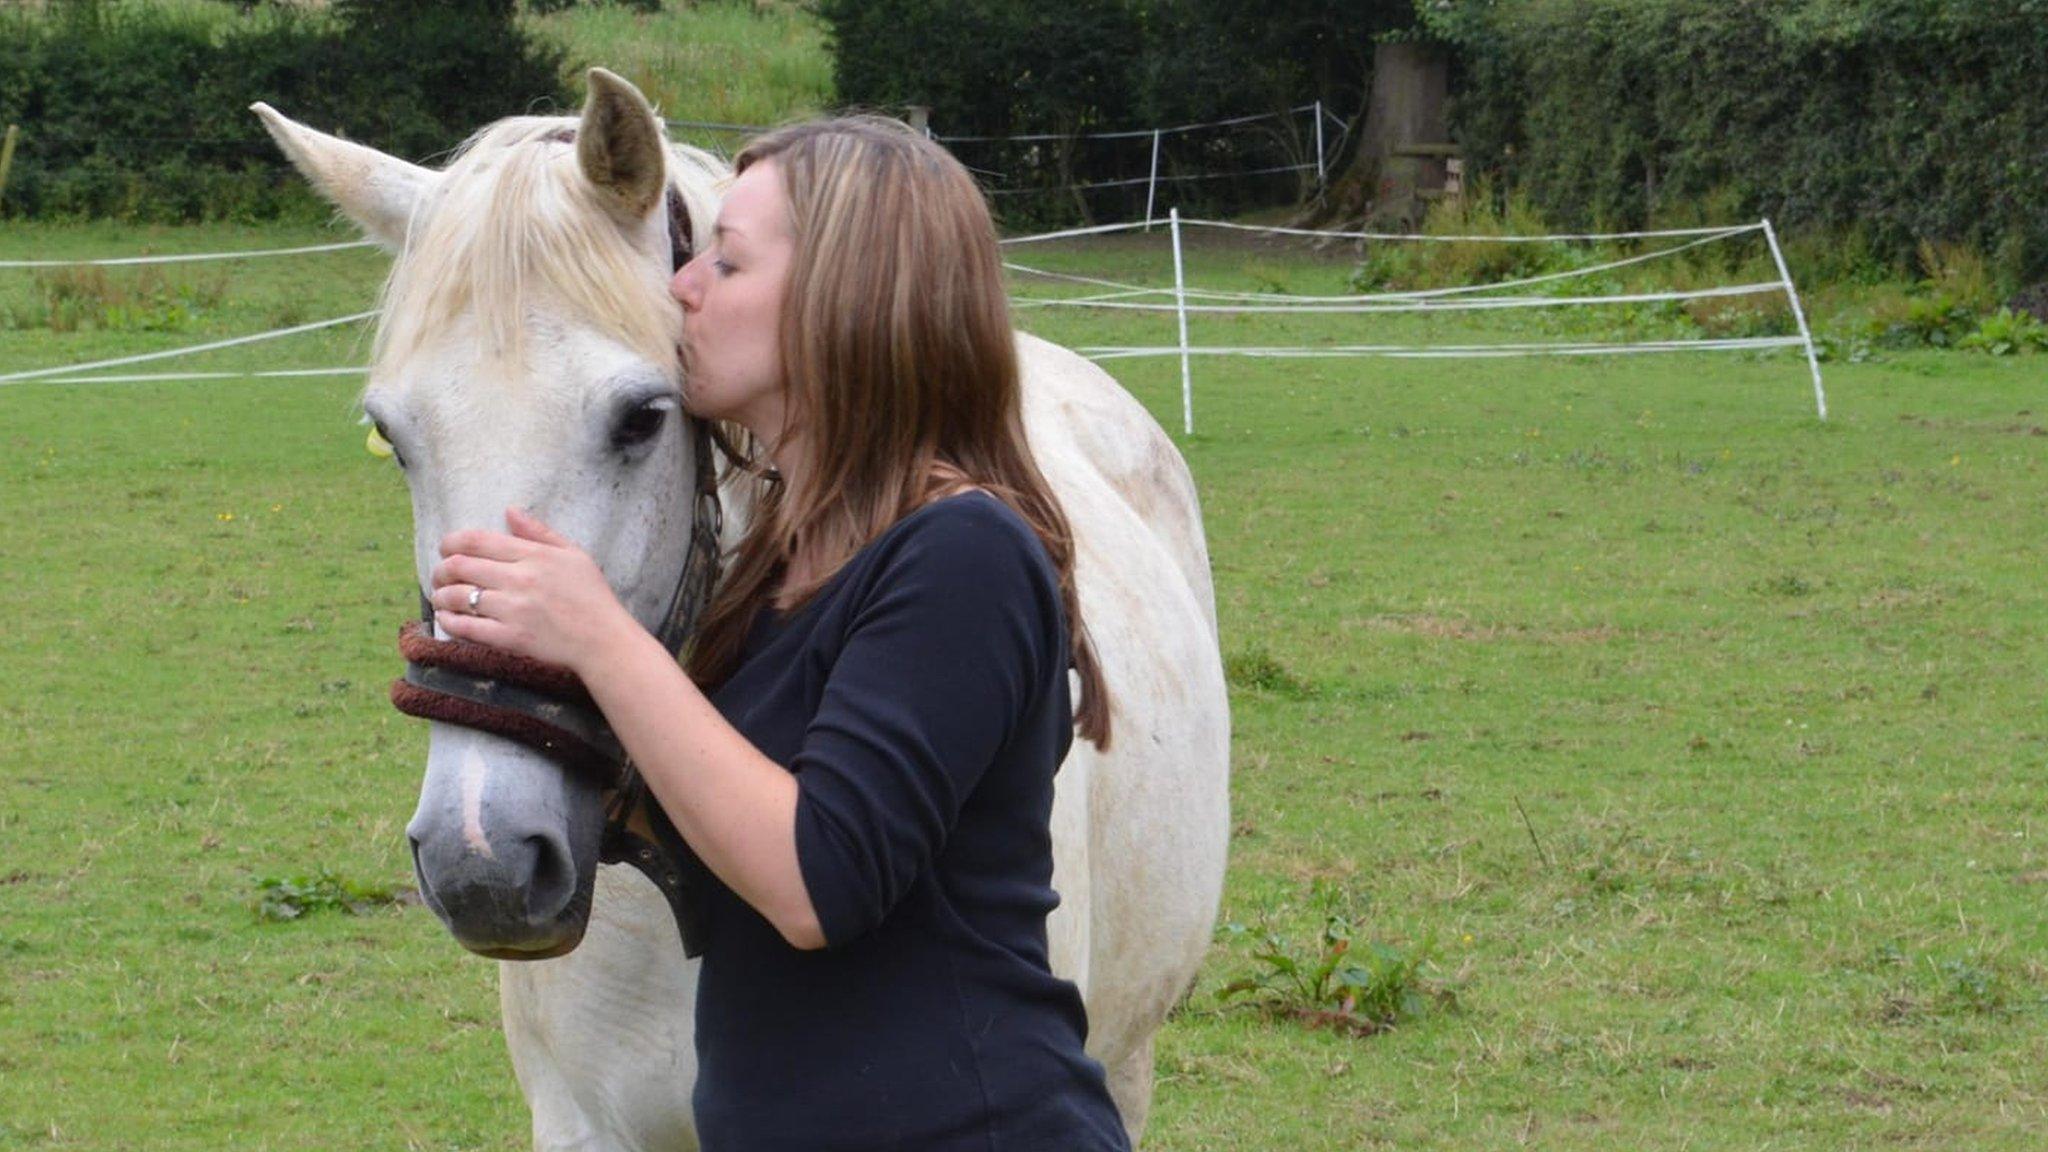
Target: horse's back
{"x": 1141, "y": 831}
{"x": 1077, "y": 414}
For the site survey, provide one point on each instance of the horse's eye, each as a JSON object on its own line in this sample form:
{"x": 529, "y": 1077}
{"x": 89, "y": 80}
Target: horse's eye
{"x": 640, "y": 424}
{"x": 379, "y": 443}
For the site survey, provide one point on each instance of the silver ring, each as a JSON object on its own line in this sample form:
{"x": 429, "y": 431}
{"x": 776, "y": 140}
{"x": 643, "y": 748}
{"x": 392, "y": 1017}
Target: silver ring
{"x": 475, "y": 595}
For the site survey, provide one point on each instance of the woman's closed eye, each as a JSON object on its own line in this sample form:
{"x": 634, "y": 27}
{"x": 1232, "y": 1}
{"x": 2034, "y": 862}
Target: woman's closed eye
{"x": 722, "y": 266}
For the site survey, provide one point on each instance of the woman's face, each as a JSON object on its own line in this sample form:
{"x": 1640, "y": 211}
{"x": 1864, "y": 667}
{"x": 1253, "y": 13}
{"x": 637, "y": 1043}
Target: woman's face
{"x": 731, "y": 294}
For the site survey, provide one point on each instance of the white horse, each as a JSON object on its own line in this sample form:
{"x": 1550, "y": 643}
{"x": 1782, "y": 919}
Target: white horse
{"x": 526, "y": 350}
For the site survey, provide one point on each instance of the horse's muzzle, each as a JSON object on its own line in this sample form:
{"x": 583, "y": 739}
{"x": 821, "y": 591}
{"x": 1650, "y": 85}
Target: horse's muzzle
{"x": 523, "y": 897}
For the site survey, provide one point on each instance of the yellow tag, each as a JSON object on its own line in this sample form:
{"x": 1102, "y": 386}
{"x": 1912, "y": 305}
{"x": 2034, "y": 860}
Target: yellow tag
{"x": 377, "y": 444}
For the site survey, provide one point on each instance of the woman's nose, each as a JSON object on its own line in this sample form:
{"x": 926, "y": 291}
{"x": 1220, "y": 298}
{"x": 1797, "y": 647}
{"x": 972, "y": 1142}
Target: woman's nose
{"x": 683, "y": 286}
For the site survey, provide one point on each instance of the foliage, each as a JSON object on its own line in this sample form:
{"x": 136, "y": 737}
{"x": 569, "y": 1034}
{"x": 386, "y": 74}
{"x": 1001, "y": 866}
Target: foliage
{"x": 420, "y": 75}
{"x": 730, "y": 62}
{"x": 289, "y": 898}
{"x": 994, "y": 67}
{"x": 1462, "y": 257}
{"x": 552, "y": 6}
{"x": 1013, "y": 67}
{"x": 1953, "y": 305}
{"x": 1203, "y": 56}
{"x": 1958, "y": 272}
{"x": 2032, "y": 300}
{"x": 1927, "y": 986}
{"x": 1000, "y": 68}
{"x": 2006, "y": 332}
{"x": 1925, "y": 319}
{"x": 1409, "y": 265}
{"x": 1913, "y": 119}
{"x": 1336, "y": 981}
{"x": 139, "y": 113}
{"x": 1259, "y": 670}
{"x": 146, "y": 300}
{"x": 1738, "y": 317}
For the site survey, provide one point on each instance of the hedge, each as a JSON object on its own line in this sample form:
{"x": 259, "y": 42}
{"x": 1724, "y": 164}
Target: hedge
{"x": 1905, "y": 120}
{"x": 140, "y": 114}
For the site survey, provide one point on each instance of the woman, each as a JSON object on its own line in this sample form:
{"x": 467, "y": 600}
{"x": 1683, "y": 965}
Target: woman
{"x": 870, "y": 775}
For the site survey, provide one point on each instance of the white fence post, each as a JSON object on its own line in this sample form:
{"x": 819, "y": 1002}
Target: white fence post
{"x": 1320, "y": 178}
{"x": 1152, "y": 184}
{"x": 1820, "y": 397}
{"x": 1180, "y": 307}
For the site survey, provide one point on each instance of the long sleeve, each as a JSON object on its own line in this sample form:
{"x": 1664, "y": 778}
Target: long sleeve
{"x": 946, "y": 654}
{"x": 920, "y": 700}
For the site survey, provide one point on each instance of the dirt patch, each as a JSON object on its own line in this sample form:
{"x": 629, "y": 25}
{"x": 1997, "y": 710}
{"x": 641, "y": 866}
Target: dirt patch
{"x": 1980, "y": 427}
{"x": 1869, "y": 1101}
{"x": 1889, "y": 598}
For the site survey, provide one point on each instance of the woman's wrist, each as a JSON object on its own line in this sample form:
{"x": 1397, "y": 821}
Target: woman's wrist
{"x": 617, "y": 645}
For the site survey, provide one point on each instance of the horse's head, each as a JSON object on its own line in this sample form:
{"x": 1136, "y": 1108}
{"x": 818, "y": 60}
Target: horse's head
{"x": 527, "y": 355}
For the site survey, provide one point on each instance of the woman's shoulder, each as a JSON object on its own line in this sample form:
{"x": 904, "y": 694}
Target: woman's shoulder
{"x": 965, "y": 541}
{"x": 971, "y": 529}
{"x": 959, "y": 550}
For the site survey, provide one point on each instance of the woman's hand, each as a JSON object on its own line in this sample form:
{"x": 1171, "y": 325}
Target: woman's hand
{"x": 536, "y": 594}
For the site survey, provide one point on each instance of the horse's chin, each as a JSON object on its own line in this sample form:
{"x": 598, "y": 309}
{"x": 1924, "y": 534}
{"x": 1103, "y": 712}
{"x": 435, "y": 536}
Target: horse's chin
{"x": 541, "y": 949}
{"x": 517, "y": 954}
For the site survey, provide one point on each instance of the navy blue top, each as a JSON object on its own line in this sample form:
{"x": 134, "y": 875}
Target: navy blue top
{"x": 921, "y": 699}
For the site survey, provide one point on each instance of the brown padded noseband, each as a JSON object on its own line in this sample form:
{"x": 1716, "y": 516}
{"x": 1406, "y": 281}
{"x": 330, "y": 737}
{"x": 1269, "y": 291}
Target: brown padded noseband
{"x": 539, "y": 705}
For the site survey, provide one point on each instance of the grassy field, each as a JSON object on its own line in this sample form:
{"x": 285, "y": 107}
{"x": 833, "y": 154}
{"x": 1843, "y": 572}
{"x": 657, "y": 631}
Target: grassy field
{"x": 1698, "y": 744}
{"x": 728, "y": 61}
{"x": 717, "y": 63}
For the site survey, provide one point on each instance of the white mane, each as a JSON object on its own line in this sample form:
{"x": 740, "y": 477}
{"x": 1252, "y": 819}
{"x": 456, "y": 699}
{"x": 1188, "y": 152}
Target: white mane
{"x": 512, "y": 231}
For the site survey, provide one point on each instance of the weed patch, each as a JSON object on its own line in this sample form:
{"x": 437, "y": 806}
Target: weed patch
{"x": 1785, "y": 585}
{"x": 2007, "y": 333}
{"x": 290, "y": 898}
{"x": 1339, "y": 982}
{"x": 1927, "y": 987}
{"x": 70, "y": 299}
{"x": 1259, "y": 670}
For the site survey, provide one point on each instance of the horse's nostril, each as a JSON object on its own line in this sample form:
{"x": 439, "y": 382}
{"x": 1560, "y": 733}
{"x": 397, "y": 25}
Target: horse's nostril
{"x": 419, "y": 867}
{"x": 551, "y": 886}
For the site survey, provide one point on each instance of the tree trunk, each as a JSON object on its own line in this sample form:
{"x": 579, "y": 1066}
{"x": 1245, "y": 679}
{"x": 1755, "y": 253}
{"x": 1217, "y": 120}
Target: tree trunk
{"x": 1404, "y": 107}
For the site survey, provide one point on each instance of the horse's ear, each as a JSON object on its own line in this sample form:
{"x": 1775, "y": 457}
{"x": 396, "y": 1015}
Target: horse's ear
{"x": 621, "y": 148}
{"x": 376, "y": 191}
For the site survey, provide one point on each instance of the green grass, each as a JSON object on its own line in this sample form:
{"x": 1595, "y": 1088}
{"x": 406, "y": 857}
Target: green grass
{"x": 726, "y": 61}
{"x": 1700, "y": 742}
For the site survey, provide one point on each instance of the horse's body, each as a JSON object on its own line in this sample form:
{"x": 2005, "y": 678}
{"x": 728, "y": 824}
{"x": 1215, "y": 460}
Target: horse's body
{"x": 494, "y": 409}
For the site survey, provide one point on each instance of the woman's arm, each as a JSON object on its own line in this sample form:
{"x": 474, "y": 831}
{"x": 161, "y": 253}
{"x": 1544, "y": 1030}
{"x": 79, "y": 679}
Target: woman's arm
{"x": 958, "y": 636}
{"x": 735, "y": 807}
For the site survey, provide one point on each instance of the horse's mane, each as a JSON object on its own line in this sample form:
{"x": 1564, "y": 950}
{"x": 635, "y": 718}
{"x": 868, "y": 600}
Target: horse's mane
{"x": 513, "y": 225}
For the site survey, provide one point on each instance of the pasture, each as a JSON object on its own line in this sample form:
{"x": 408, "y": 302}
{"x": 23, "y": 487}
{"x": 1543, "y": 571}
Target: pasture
{"x": 1696, "y": 744}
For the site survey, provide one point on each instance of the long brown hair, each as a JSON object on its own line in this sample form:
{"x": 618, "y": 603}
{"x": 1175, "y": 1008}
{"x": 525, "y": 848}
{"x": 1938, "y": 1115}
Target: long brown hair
{"x": 899, "y": 369}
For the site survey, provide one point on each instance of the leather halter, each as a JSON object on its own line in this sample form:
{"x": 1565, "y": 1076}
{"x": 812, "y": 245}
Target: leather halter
{"x": 546, "y": 708}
